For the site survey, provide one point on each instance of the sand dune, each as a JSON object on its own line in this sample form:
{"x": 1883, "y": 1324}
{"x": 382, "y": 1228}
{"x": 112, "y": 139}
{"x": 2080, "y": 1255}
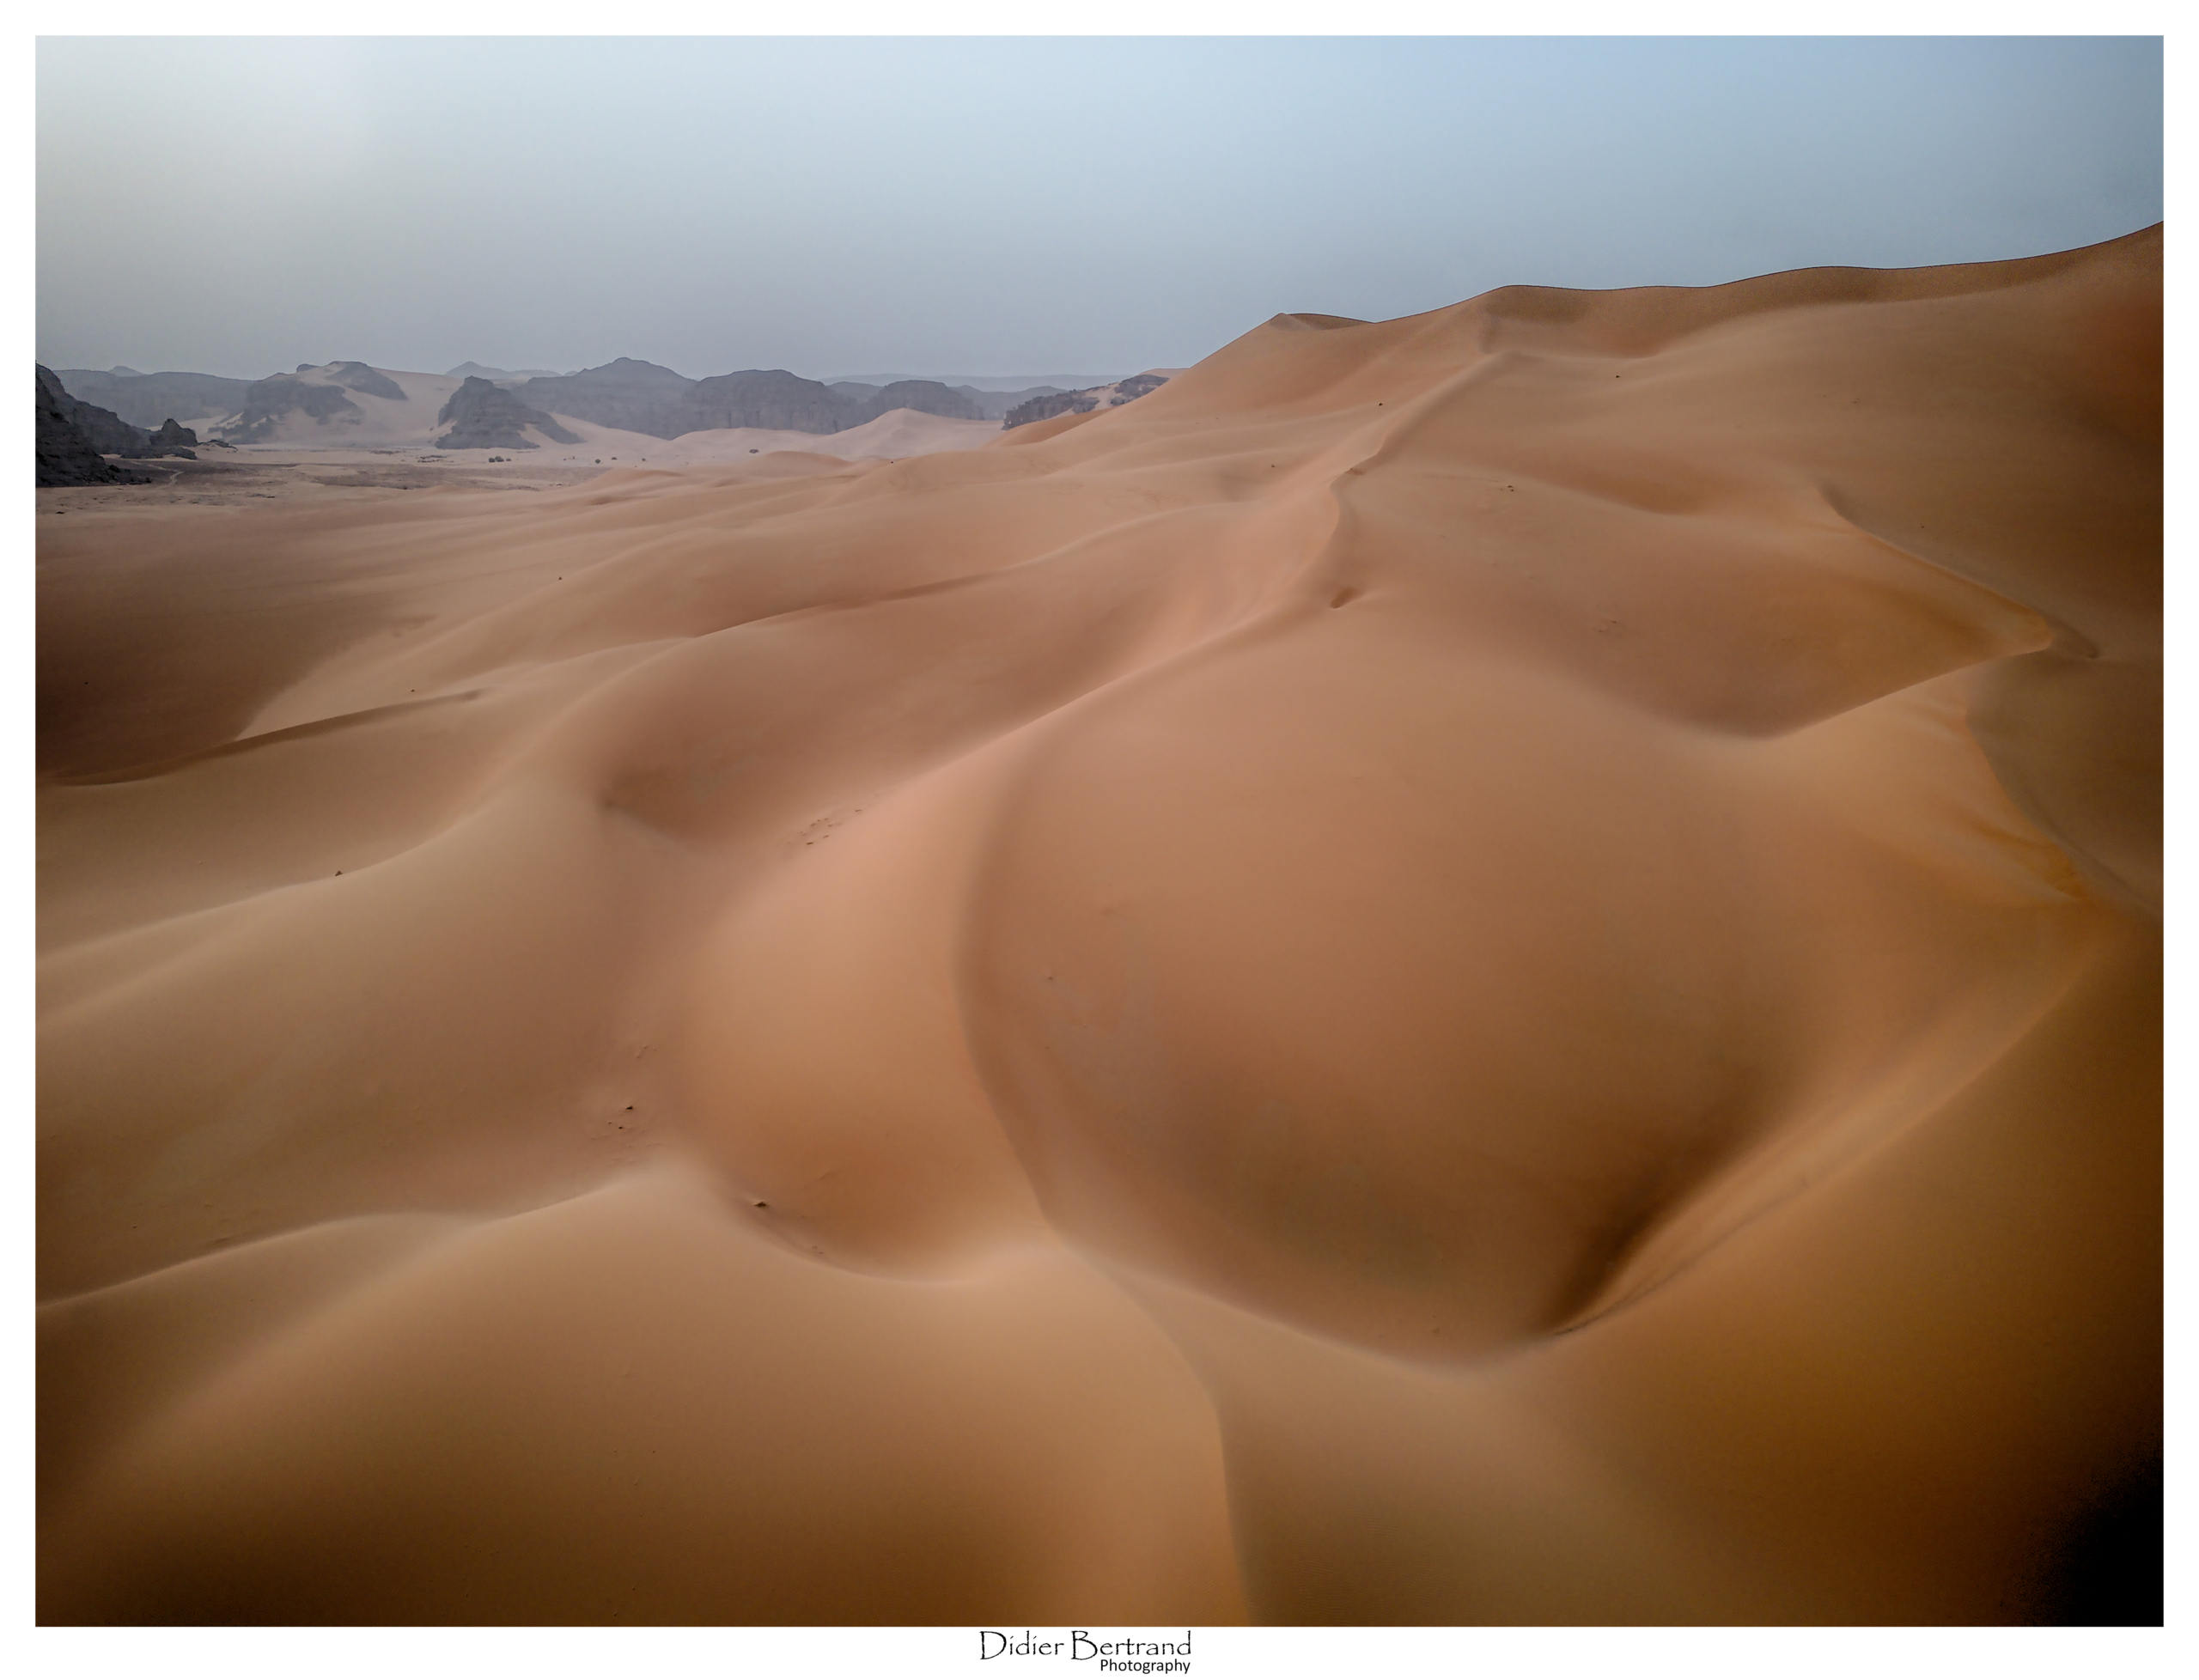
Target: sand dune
{"x": 1496, "y": 967}
{"x": 901, "y": 431}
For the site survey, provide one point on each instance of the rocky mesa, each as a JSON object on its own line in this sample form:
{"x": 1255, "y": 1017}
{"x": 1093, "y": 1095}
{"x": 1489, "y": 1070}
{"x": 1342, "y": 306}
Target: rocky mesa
{"x": 483, "y": 414}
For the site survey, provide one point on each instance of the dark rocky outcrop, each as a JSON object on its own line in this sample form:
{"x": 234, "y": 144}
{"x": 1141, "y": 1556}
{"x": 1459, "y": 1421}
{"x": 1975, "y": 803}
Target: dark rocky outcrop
{"x": 770, "y": 398}
{"x": 1137, "y": 384}
{"x": 995, "y": 404}
{"x": 108, "y": 433}
{"x": 368, "y": 381}
{"x": 146, "y": 399}
{"x": 926, "y": 396}
{"x": 65, "y": 455}
{"x": 641, "y": 397}
{"x": 777, "y": 400}
{"x": 982, "y": 404}
{"x": 632, "y": 396}
{"x": 172, "y": 439}
{"x": 485, "y": 416}
{"x": 273, "y": 400}
{"x": 1047, "y": 407}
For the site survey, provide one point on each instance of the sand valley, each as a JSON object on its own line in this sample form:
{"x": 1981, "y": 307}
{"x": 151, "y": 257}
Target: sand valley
{"x": 1500, "y": 967}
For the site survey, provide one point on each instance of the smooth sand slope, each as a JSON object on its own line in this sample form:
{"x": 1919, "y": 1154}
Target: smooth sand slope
{"x": 1497, "y": 966}
{"x": 898, "y": 433}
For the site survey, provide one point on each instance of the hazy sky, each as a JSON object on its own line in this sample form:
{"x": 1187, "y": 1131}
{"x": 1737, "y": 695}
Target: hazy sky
{"x": 1003, "y": 206}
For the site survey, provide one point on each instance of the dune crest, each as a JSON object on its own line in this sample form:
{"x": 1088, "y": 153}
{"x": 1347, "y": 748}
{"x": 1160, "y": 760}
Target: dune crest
{"x": 1534, "y": 929}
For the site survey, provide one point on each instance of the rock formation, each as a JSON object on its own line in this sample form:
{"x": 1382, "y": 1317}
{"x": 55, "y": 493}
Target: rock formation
{"x": 641, "y": 397}
{"x": 773, "y": 399}
{"x": 628, "y": 394}
{"x": 632, "y": 396}
{"x": 146, "y": 399}
{"x": 983, "y": 405}
{"x": 995, "y": 404}
{"x": 273, "y": 400}
{"x": 1047, "y": 407}
{"x": 65, "y": 455}
{"x": 1137, "y": 384}
{"x": 780, "y": 401}
{"x": 107, "y": 433}
{"x": 485, "y": 416}
{"x": 172, "y": 439}
{"x": 926, "y": 396}
{"x": 357, "y": 376}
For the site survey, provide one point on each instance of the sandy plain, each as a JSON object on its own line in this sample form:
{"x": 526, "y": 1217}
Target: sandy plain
{"x": 1497, "y": 967}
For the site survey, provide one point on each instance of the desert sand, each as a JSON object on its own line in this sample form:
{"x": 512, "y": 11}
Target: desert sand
{"x": 1501, "y": 966}
{"x": 900, "y": 432}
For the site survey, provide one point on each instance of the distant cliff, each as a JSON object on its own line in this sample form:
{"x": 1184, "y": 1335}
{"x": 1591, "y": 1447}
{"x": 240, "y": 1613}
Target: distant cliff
{"x": 271, "y": 401}
{"x": 316, "y": 391}
{"x": 995, "y": 404}
{"x": 146, "y": 399}
{"x": 357, "y": 376}
{"x": 627, "y": 395}
{"x": 641, "y": 397}
{"x": 66, "y": 454}
{"x": 774, "y": 398}
{"x": 926, "y": 396}
{"x": 630, "y": 395}
{"x": 485, "y": 416}
{"x": 1046, "y": 405}
{"x": 105, "y": 431}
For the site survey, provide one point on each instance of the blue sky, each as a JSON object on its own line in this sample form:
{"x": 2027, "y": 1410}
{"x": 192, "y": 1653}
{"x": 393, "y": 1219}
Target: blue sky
{"x": 980, "y": 206}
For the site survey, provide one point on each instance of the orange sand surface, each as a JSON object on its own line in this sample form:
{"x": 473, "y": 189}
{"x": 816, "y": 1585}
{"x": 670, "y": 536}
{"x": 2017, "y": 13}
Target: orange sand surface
{"x": 1501, "y": 966}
